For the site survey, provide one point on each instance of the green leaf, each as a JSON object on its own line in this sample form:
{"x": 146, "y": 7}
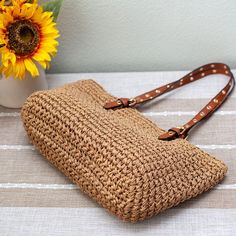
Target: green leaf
{"x": 53, "y": 6}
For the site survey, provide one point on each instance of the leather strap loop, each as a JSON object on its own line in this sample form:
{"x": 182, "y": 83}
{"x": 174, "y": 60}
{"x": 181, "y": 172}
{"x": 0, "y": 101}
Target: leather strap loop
{"x": 119, "y": 103}
{"x": 209, "y": 109}
{"x": 173, "y": 133}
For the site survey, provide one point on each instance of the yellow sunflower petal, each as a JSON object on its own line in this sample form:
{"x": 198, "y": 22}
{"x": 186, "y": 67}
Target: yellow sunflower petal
{"x": 8, "y": 71}
{"x": 1, "y": 21}
{"x": 2, "y": 45}
{"x": 43, "y": 64}
{"x": 37, "y": 14}
{"x": 21, "y": 69}
{"x": 7, "y": 19}
{"x": 16, "y": 11}
{"x": 16, "y": 70}
{"x": 42, "y": 55}
{"x": 31, "y": 67}
{"x": 27, "y": 10}
{"x": 9, "y": 57}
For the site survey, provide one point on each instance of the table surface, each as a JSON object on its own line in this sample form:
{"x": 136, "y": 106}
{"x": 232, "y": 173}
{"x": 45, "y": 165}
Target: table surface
{"x": 36, "y": 199}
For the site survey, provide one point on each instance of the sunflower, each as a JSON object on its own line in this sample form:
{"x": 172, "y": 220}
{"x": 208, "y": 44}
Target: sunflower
{"x": 27, "y": 36}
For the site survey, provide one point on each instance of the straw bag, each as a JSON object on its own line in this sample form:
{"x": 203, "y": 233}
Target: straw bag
{"x": 117, "y": 156}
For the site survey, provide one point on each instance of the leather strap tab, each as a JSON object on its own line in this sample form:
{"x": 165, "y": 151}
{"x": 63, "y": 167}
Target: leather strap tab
{"x": 119, "y": 103}
{"x": 209, "y": 109}
{"x": 173, "y": 133}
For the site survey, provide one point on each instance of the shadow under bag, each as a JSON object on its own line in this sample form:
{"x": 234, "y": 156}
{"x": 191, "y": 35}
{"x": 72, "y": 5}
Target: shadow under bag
{"x": 117, "y": 156}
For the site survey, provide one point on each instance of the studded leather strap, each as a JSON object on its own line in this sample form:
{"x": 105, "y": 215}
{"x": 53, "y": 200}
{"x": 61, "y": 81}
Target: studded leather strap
{"x": 199, "y": 73}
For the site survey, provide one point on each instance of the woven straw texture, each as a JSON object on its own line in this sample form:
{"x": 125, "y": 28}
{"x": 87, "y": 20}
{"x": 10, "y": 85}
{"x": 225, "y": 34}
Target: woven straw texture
{"x": 114, "y": 155}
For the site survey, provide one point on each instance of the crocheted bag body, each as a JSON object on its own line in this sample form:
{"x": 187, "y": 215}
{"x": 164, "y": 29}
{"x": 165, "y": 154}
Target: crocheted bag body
{"x": 115, "y": 156}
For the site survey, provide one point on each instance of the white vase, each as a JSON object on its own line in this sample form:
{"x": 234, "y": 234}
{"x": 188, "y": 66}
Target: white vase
{"x": 14, "y": 92}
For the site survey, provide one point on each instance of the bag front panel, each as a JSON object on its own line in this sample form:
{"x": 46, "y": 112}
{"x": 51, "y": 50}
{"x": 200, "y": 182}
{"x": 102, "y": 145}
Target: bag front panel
{"x": 115, "y": 156}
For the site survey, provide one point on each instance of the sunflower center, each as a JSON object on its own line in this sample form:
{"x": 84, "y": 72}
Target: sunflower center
{"x": 23, "y": 37}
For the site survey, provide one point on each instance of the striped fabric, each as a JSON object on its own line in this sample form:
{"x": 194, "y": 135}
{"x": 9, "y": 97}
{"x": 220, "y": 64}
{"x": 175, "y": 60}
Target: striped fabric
{"x": 36, "y": 199}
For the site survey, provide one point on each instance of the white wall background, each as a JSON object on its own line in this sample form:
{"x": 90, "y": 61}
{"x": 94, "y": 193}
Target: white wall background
{"x": 145, "y": 35}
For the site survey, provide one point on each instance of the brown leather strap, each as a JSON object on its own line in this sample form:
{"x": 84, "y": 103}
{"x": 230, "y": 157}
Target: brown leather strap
{"x": 199, "y": 73}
